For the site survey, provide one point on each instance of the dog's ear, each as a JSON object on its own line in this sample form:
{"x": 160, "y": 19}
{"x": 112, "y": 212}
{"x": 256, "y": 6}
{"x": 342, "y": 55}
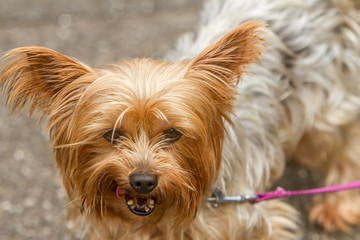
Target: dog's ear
{"x": 36, "y": 75}
{"x": 221, "y": 64}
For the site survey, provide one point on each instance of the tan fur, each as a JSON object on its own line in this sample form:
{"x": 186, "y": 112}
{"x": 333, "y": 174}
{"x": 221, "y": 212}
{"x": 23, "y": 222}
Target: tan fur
{"x": 336, "y": 153}
{"x": 142, "y": 98}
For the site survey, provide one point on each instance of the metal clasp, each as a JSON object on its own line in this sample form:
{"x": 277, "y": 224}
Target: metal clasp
{"x": 218, "y": 198}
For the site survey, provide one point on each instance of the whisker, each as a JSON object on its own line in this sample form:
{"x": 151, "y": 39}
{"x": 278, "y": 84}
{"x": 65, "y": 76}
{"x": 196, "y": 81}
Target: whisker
{"x": 68, "y": 145}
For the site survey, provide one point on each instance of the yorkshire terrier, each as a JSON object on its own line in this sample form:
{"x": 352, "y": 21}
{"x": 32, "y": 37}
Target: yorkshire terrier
{"x": 140, "y": 144}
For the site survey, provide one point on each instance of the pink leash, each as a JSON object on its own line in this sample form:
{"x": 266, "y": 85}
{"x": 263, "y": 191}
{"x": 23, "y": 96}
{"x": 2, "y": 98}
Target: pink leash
{"x": 218, "y": 197}
{"x": 280, "y": 192}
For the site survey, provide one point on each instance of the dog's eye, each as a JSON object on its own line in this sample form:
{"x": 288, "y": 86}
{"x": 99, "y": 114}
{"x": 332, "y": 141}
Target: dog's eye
{"x": 171, "y": 135}
{"x": 113, "y": 136}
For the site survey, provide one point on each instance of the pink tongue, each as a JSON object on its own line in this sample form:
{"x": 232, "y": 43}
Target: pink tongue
{"x": 120, "y": 192}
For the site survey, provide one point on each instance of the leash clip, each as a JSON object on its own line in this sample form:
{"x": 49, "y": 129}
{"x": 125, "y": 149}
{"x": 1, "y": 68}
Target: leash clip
{"x": 218, "y": 197}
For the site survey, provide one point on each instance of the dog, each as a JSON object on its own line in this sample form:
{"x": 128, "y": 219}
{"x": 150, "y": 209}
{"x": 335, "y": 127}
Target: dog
{"x": 141, "y": 144}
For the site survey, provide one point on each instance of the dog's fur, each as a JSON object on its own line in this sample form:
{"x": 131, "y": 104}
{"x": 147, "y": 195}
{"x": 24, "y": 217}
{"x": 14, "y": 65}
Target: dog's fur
{"x": 297, "y": 100}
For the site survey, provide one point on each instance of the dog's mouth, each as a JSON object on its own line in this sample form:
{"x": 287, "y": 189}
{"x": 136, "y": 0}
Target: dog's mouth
{"x": 137, "y": 204}
{"x": 141, "y": 206}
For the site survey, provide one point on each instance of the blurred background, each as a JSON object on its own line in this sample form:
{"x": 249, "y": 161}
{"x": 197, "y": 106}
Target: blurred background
{"x": 32, "y": 202}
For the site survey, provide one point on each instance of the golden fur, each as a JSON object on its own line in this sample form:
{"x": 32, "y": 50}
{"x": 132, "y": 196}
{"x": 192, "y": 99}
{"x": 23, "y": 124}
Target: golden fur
{"x": 301, "y": 102}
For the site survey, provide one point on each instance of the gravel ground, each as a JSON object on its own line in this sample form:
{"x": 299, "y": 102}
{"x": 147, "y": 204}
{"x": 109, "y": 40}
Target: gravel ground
{"x": 32, "y": 203}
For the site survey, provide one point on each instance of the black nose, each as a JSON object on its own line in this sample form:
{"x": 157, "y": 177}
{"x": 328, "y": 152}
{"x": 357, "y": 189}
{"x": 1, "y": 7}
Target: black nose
{"x": 143, "y": 183}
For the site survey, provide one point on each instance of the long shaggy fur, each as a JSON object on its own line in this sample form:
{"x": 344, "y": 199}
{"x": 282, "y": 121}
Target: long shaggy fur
{"x": 297, "y": 103}
{"x": 242, "y": 112}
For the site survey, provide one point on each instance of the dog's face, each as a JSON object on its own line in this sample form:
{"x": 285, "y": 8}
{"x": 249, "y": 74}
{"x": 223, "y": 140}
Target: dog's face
{"x": 139, "y": 140}
{"x": 141, "y": 130}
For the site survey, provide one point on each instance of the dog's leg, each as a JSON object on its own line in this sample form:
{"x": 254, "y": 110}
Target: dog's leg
{"x": 270, "y": 220}
{"x": 337, "y": 154}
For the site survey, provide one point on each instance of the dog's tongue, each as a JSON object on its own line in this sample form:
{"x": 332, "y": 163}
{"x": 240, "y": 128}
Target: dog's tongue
{"x": 120, "y": 192}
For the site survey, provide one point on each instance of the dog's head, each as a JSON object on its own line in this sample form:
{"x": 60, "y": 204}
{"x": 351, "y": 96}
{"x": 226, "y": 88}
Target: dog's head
{"x": 138, "y": 138}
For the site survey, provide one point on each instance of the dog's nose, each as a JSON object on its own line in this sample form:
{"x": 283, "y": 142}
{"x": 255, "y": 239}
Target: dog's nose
{"x": 143, "y": 183}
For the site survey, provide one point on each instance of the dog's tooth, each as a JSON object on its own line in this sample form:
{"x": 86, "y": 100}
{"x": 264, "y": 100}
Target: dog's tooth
{"x": 133, "y": 206}
{"x": 130, "y": 202}
{"x": 147, "y": 209}
{"x": 151, "y": 206}
{"x": 150, "y": 201}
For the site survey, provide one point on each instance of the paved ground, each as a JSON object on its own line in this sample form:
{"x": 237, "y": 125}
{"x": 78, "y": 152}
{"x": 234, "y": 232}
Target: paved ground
{"x": 32, "y": 203}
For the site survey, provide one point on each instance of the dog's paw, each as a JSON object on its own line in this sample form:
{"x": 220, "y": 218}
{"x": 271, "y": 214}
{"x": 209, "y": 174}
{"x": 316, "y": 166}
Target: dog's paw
{"x": 336, "y": 212}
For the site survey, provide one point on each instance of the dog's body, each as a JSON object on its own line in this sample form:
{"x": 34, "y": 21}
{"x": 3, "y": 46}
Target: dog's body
{"x": 298, "y": 103}
{"x": 167, "y": 123}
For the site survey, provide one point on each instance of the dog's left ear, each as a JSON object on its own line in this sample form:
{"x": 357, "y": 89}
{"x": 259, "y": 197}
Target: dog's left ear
{"x": 36, "y": 75}
{"x": 221, "y": 64}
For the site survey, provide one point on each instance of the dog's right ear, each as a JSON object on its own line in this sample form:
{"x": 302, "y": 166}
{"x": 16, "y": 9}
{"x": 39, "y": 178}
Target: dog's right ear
{"x": 220, "y": 66}
{"x": 36, "y": 75}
